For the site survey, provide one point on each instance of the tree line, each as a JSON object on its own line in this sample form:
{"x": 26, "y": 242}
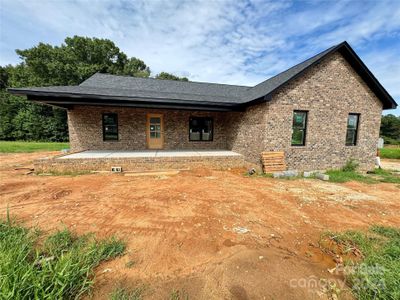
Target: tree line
{"x": 70, "y": 63}
{"x": 390, "y": 129}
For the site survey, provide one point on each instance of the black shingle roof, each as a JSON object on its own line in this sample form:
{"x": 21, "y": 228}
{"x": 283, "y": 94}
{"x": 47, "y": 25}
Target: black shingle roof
{"x": 108, "y": 89}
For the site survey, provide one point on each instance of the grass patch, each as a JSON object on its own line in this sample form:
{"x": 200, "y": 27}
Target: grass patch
{"x": 393, "y": 153}
{"x": 59, "y": 267}
{"x": 377, "y": 274}
{"x": 122, "y": 293}
{"x": 345, "y": 176}
{"x": 386, "y": 175}
{"x": 178, "y": 295}
{"x": 16, "y": 147}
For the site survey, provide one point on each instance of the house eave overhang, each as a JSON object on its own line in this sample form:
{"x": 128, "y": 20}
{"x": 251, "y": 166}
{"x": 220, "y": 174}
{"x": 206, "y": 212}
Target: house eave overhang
{"x": 68, "y": 100}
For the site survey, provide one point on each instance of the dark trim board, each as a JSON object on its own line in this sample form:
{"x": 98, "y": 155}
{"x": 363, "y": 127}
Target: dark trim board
{"x": 68, "y": 103}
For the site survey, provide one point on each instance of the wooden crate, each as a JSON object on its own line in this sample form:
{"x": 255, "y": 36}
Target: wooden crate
{"x": 273, "y": 161}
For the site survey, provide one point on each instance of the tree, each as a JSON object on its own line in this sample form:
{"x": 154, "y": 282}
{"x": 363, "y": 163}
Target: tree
{"x": 136, "y": 67}
{"x": 169, "y": 76}
{"x": 72, "y": 62}
{"x": 390, "y": 128}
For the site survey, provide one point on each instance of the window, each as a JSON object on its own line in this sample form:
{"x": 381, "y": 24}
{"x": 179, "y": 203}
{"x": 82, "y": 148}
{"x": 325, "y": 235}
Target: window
{"x": 110, "y": 127}
{"x": 200, "y": 129}
{"x": 299, "y": 128}
{"x": 352, "y": 128}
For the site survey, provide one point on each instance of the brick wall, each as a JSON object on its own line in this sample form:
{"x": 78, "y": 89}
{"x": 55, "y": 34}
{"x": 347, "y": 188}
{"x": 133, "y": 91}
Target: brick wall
{"x": 329, "y": 92}
{"x": 85, "y": 129}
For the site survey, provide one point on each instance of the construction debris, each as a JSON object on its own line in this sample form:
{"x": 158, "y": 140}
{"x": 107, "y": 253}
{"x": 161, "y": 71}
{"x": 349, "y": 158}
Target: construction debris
{"x": 290, "y": 173}
{"x": 322, "y": 176}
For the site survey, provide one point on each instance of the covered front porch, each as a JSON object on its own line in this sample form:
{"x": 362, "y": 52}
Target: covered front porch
{"x": 140, "y": 160}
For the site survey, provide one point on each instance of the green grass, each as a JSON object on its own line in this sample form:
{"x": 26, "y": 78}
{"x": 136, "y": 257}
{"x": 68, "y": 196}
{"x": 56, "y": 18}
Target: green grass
{"x": 345, "y": 176}
{"x": 386, "y": 175}
{"x": 377, "y": 274}
{"x": 376, "y": 176}
{"x": 122, "y": 293}
{"x": 393, "y": 153}
{"x": 178, "y": 295}
{"x": 60, "y": 266}
{"x": 15, "y": 147}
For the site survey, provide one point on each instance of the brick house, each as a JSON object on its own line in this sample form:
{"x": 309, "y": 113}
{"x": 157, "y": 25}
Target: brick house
{"x": 320, "y": 113}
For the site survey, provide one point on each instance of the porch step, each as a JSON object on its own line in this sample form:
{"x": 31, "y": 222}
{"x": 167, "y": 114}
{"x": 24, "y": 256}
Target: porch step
{"x": 273, "y": 161}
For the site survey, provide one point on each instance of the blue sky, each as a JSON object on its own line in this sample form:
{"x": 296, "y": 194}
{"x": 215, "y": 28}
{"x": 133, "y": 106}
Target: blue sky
{"x": 236, "y": 42}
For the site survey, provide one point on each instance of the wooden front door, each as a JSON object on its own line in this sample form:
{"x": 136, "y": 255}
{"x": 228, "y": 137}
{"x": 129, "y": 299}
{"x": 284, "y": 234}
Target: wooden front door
{"x": 155, "y": 131}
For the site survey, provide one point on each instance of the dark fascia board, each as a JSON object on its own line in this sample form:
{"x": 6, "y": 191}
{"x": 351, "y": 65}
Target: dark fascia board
{"x": 68, "y": 102}
{"x": 355, "y": 61}
{"x": 28, "y": 92}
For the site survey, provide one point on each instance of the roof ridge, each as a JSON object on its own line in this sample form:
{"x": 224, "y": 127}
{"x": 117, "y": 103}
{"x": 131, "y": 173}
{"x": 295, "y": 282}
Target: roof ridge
{"x": 169, "y": 80}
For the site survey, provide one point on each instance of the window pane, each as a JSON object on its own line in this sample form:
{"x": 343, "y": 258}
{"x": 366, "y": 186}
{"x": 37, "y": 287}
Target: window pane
{"x": 352, "y": 121}
{"x": 194, "y": 136}
{"x": 352, "y": 129}
{"x": 207, "y": 130}
{"x": 299, "y": 119}
{"x": 152, "y": 135}
{"x": 299, "y": 128}
{"x": 155, "y": 121}
{"x": 110, "y": 127}
{"x": 200, "y": 129}
{"x": 298, "y": 137}
{"x": 351, "y": 137}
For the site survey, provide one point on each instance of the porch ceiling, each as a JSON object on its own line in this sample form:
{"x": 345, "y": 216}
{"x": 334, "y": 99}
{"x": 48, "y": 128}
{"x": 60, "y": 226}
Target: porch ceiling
{"x": 96, "y": 154}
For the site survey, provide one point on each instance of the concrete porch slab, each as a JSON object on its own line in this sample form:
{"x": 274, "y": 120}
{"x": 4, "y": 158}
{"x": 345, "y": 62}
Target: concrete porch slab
{"x": 98, "y": 154}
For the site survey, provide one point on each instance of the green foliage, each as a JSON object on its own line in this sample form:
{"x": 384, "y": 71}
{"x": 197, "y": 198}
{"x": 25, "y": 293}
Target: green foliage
{"x": 168, "y": 76}
{"x": 72, "y": 62}
{"x": 377, "y": 276}
{"x": 393, "y": 153}
{"x": 390, "y": 141}
{"x": 14, "y": 147}
{"x": 390, "y": 129}
{"x": 350, "y": 166}
{"x": 60, "y": 269}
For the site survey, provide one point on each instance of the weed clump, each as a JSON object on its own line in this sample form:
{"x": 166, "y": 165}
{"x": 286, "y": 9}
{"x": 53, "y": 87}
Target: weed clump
{"x": 60, "y": 267}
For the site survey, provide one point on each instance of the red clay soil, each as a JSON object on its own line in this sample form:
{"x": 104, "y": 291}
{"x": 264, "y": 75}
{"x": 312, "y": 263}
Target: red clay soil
{"x": 188, "y": 232}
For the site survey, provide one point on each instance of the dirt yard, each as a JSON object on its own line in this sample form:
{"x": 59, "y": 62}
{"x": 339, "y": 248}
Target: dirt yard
{"x": 211, "y": 234}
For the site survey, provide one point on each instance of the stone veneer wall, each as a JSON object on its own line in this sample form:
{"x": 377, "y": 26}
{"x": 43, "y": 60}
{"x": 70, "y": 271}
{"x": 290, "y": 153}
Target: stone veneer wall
{"x": 329, "y": 91}
{"x": 85, "y": 129}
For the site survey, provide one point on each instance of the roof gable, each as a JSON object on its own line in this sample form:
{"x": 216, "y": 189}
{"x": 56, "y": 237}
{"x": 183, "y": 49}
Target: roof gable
{"x": 263, "y": 90}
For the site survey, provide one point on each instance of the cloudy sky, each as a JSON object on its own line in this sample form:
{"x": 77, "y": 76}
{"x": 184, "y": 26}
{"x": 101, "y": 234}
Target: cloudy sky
{"x": 236, "y": 42}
